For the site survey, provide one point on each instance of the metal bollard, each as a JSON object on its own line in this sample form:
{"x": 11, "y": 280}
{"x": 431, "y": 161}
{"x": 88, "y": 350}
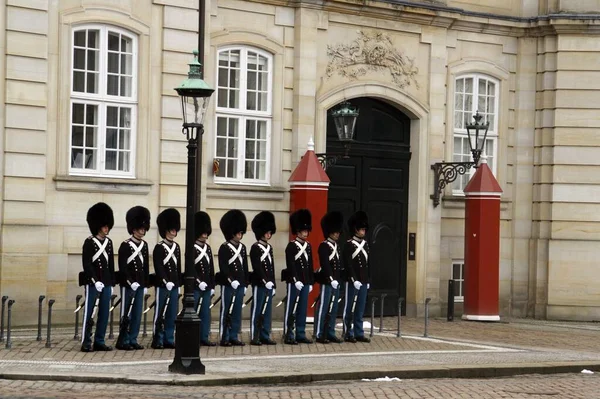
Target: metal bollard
{"x": 49, "y": 330}
{"x": 145, "y": 334}
{"x": 40, "y": 302}
{"x": 77, "y": 299}
{"x": 450, "y": 316}
{"x": 427, "y": 300}
{"x": 381, "y": 312}
{"x": 373, "y": 300}
{"x": 400, "y": 300}
{"x": 8, "y": 341}
{"x": 111, "y": 335}
{"x": 4, "y": 299}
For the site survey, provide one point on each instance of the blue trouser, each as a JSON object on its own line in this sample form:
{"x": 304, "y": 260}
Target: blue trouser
{"x": 102, "y": 313}
{"x": 327, "y": 292}
{"x": 204, "y": 314}
{"x": 261, "y": 294}
{"x": 135, "y": 318}
{"x": 300, "y": 322}
{"x": 354, "y": 325}
{"x": 231, "y": 325}
{"x": 167, "y": 336}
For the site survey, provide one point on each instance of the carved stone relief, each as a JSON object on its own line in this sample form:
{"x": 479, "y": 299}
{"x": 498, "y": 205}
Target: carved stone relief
{"x": 371, "y": 52}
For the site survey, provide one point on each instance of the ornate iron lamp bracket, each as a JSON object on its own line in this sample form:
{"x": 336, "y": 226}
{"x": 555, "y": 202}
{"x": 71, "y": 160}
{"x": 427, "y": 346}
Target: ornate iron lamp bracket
{"x": 444, "y": 174}
{"x": 326, "y": 160}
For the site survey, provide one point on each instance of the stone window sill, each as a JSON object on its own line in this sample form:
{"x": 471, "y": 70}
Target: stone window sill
{"x": 103, "y": 185}
{"x": 224, "y": 191}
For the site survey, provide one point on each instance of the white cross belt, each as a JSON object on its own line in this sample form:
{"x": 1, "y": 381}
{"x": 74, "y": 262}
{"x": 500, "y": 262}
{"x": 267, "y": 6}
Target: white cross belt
{"x": 101, "y": 250}
{"x": 302, "y": 251}
{"x": 237, "y": 253}
{"x": 203, "y": 253}
{"x": 360, "y": 247}
{"x": 137, "y": 251}
{"x": 265, "y": 252}
{"x": 334, "y": 254}
{"x": 170, "y": 254}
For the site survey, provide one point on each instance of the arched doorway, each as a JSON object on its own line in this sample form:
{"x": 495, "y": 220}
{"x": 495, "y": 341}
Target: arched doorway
{"x": 374, "y": 178}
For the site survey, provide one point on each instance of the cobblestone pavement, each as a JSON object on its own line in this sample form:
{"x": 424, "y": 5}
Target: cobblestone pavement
{"x": 530, "y": 386}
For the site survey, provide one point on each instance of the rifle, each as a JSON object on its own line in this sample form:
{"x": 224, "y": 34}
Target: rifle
{"x": 153, "y": 304}
{"x": 351, "y": 313}
{"x": 261, "y": 319}
{"x": 199, "y": 304}
{"x": 280, "y": 302}
{"x": 228, "y": 318}
{"x": 248, "y": 301}
{"x": 160, "y": 322}
{"x": 124, "y": 325}
{"x": 115, "y": 305}
{"x": 215, "y": 302}
{"x": 328, "y": 315}
{"x": 292, "y": 318}
{"x": 316, "y": 300}
{"x": 89, "y": 324}
{"x": 79, "y": 307}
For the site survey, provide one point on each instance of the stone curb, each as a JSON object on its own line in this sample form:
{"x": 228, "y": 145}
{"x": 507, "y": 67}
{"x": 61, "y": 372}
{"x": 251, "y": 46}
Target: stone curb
{"x": 452, "y": 371}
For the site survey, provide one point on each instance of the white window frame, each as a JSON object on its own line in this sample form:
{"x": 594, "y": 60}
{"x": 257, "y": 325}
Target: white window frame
{"x": 492, "y": 135}
{"x": 459, "y": 283}
{"x": 103, "y": 101}
{"x": 242, "y": 114}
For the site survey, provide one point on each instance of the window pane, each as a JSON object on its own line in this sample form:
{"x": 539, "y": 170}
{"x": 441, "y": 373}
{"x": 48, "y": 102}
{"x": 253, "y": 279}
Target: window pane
{"x": 93, "y": 38}
{"x": 113, "y": 63}
{"x": 482, "y": 87}
{"x": 221, "y": 147}
{"x": 77, "y": 158}
{"x": 113, "y": 41}
{"x": 111, "y": 138}
{"x": 222, "y": 79}
{"x": 233, "y": 127}
{"x": 232, "y": 148}
{"x": 250, "y": 129}
{"x": 92, "y": 60}
{"x": 221, "y": 126}
{"x": 77, "y": 136}
{"x": 491, "y": 88}
{"x": 112, "y": 115}
{"x": 111, "y": 160}
{"x": 261, "y": 152}
{"x": 458, "y": 120}
{"x": 125, "y": 117}
{"x": 469, "y": 85}
{"x": 456, "y": 271}
{"x": 90, "y": 159}
{"x": 251, "y": 101}
{"x": 92, "y": 82}
{"x": 232, "y": 168}
{"x": 481, "y": 104}
{"x": 113, "y": 85}
{"x": 125, "y": 86}
{"x": 91, "y": 114}
{"x": 262, "y": 130}
{"x": 79, "y": 38}
{"x": 468, "y": 103}
{"x": 262, "y": 170}
{"x": 222, "y": 168}
{"x": 79, "y": 59}
{"x": 126, "y": 64}
{"x": 78, "y": 112}
{"x": 79, "y": 81}
{"x": 249, "y": 171}
{"x": 126, "y": 44}
{"x": 234, "y": 99}
{"x": 90, "y": 137}
{"x": 460, "y": 85}
{"x": 252, "y": 80}
{"x": 124, "y": 161}
{"x": 222, "y": 98}
{"x": 124, "y": 139}
{"x": 250, "y": 149}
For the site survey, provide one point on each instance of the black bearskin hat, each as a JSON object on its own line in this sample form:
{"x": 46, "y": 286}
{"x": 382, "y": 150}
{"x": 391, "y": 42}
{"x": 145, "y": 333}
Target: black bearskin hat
{"x": 332, "y": 222}
{"x": 262, "y": 223}
{"x": 137, "y": 217}
{"x": 98, "y": 216}
{"x": 169, "y": 219}
{"x": 233, "y": 222}
{"x": 357, "y": 221}
{"x": 202, "y": 224}
{"x": 300, "y": 220}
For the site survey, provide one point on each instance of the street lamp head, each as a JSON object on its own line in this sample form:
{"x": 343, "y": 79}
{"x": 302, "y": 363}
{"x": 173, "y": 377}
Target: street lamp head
{"x": 477, "y": 133}
{"x": 344, "y": 117}
{"x": 195, "y": 95}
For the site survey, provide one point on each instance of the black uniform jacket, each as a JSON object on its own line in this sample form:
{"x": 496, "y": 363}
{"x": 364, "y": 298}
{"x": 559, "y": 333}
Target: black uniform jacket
{"x": 331, "y": 262}
{"x": 357, "y": 267}
{"x": 205, "y": 268}
{"x": 299, "y": 268}
{"x": 238, "y": 268}
{"x": 170, "y": 270}
{"x": 96, "y": 266}
{"x": 263, "y": 266}
{"x": 134, "y": 269}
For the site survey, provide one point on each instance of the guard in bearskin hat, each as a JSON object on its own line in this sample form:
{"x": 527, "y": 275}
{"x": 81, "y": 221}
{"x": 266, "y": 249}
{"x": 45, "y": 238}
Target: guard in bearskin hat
{"x": 263, "y": 278}
{"x": 134, "y": 271}
{"x": 299, "y": 276}
{"x": 98, "y": 276}
{"x": 233, "y": 276}
{"x": 167, "y": 266}
{"x": 204, "y": 267}
{"x": 330, "y": 276}
{"x": 356, "y": 261}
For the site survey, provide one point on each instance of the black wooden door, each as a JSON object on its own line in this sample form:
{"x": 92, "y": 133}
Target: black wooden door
{"x": 374, "y": 178}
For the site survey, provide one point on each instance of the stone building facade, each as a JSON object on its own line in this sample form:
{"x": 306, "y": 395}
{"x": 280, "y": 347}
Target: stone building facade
{"x": 89, "y": 114}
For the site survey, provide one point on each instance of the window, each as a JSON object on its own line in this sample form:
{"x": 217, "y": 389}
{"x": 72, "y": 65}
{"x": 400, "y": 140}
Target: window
{"x": 243, "y": 114}
{"x": 474, "y": 93}
{"x": 458, "y": 275}
{"x": 103, "y": 102}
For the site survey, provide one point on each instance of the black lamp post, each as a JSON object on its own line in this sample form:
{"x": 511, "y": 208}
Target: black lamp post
{"x": 447, "y": 172}
{"x": 344, "y": 116}
{"x": 195, "y": 95}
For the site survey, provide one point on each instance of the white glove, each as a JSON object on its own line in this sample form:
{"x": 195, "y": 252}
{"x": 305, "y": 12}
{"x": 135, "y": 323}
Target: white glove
{"x": 310, "y": 288}
{"x": 245, "y": 289}
{"x": 145, "y": 290}
{"x": 202, "y": 286}
{"x": 269, "y": 285}
{"x": 99, "y": 286}
{"x": 135, "y": 286}
{"x": 212, "y": 291}
{"x": 235, "y": 284}
{"x": 170, "y": 286}
{"x": 335, "y": 284}
{"x": 273, "y": 292}
{"x": 368, "y": 285}
{"x": 299, "y": 285}
{"x": 357, "y": 284}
